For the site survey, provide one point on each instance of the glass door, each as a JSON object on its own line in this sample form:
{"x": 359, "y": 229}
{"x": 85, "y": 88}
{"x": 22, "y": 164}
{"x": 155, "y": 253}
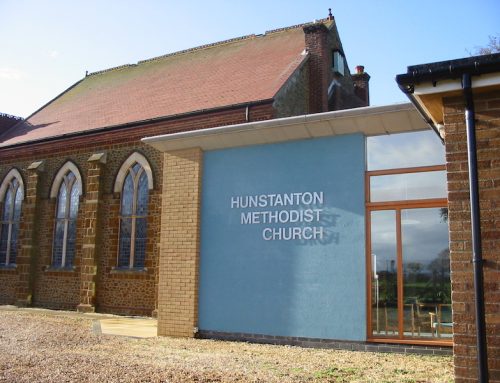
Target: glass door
{"x": 384, "y": 275}
{"x": 410, "y": 273}
{"x": 426, "y": 273}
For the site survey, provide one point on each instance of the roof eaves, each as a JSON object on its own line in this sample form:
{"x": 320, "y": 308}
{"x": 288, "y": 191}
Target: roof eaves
{"x": 451, "y": 69}
{"x": 134, "y": 124}
{"x": 39, "y": 109}
{"x": 444, "y": 70}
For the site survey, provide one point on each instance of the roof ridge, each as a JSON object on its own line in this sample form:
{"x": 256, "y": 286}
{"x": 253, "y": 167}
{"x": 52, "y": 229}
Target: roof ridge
{"x": 204, "y": 46}
{"x": 110, "y": 69}
{"x": 210, "y": 45}
{"x": 320, "y": 21}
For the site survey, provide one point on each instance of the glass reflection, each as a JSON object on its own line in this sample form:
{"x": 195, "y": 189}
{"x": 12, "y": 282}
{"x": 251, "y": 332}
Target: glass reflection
{"x": 142, "y": 195}
{"x": 68, "y": 200}
{"x": 13, "y": 242}
{"x": 4, "y": 233}
{"x": 58, "y": 244}
{"x": 426, "y": 273}
{"x": 140, "y": 242}
{"x": 404, "y": 150}
{"x": 125, "y": 242}
{"x": 17, "y": 203}
{"x": 61, "y": 200}
{"x": 127, "y": 196}
{"x": 8, "y": 203}
{"x": 75, "y": 200}
{"x": 70, "y": 243}
{"x": 384, "y": 273}
{"x": 134, "y": 206}
{"x": 9, "y": 222}
{"x": 408, "y": 186}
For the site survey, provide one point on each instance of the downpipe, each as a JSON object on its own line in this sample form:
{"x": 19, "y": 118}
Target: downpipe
{"x": 477, "y": 258}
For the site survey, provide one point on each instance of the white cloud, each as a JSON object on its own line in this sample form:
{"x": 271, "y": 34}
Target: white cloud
{"x": 11, "y": 73}
{"x": 53, "y": 54}
{"x": 405, "y": 150}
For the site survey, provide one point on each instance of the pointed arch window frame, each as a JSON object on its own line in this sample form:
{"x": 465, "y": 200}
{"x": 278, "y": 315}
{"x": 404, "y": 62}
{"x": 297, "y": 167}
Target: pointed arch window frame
{"x": 10, "y": 222}
{"x": 61, "y": 179}
{"x": 126, "y": 169}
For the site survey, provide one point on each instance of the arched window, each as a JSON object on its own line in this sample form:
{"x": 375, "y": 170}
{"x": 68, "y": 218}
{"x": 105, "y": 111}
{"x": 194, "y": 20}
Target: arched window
{"x": 67, "y": 188}
{"x": 134, "y": 181}
{"x": 12, "y": 195}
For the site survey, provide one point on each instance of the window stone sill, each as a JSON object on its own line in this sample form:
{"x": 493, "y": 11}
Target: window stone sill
{"x": 11, "y": 268}
{"x": 129, "y": 271}
{"x": 60, "y": 270}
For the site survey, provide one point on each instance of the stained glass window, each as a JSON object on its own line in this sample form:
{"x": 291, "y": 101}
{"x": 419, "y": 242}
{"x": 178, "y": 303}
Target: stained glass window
{"x": 9, "y": 224}
{"x": 133, "y": 212}
{"x": 63, "y": 254}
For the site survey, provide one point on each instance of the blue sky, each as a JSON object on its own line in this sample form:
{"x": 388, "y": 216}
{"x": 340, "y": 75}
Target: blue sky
{"x": 46, "y": 46}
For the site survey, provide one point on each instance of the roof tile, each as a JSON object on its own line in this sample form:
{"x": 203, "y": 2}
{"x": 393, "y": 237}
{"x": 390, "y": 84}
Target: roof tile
{"x": 237, "y": 71}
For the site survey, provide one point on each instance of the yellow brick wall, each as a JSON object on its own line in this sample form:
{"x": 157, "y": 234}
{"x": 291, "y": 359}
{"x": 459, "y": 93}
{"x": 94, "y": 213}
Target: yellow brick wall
{"x": 180, "y": 243}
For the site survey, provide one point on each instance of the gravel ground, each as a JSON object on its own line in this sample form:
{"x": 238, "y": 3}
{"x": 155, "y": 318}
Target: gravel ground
{"x": 36, "y": 347}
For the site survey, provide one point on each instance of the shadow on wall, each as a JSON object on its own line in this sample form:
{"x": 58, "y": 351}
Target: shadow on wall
{"x": 331, "y": 235}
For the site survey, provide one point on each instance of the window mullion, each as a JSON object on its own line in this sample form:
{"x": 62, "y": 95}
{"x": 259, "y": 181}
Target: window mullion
{"x": 9, "y": 238}
{"x": 10, "y": 220}
{"x": 12, "y": 205}
{"x": 132, "y": 243}
{"x": 133, "y": 219}
{"x": 400, "y": 273}
{"x": 66, "y": 222}
{"x": 65, "y": 237}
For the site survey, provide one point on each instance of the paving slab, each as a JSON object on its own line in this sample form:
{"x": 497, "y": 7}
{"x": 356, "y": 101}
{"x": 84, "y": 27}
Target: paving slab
{"x": 126, "y": 326}
{"x": 109, "y": 324}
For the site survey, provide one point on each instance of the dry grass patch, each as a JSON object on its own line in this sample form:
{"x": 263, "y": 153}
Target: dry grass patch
{"x": 37, "y": 347}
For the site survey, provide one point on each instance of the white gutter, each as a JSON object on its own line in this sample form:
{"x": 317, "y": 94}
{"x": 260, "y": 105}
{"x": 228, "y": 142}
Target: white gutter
{"x": 443, "y": 86}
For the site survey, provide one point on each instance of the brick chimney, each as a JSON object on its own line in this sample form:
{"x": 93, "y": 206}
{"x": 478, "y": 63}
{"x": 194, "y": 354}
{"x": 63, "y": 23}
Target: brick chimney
{"x": 361, "y": 88}
{"x": 317, "y": 47}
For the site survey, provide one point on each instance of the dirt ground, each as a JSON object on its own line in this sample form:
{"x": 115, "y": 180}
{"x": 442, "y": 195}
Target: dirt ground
{"x": 36, "y": 347}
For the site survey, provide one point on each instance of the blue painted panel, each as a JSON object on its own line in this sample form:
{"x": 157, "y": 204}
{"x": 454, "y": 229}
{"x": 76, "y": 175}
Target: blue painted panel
{"x": 308, "y": 287}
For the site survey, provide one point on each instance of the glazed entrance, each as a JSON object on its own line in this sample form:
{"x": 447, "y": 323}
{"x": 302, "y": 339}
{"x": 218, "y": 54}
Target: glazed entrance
{"x": 410, "y": 277}
{"x": 408, "y": 255}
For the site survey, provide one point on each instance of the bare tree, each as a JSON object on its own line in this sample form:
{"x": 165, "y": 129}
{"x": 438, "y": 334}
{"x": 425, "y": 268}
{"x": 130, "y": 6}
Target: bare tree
{"x": 493, "y": 46}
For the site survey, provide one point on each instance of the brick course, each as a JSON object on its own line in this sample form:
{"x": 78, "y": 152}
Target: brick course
{"x": 91, "y": 282}
{"x": 26, "y": 258}
{"x": 180, "y": 243}
{"x": 316, "y": 36}
{"x": 91, "y": 235}
{"x": 487, "y": 106}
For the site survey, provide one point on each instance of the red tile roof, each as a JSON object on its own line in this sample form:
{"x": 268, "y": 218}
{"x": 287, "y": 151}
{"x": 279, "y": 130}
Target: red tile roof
{"x": 248, "y": 69}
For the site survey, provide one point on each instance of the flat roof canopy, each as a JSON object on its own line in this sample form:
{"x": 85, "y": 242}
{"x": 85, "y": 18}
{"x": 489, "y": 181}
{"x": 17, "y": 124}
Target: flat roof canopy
{"x": 370, "y": 121}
